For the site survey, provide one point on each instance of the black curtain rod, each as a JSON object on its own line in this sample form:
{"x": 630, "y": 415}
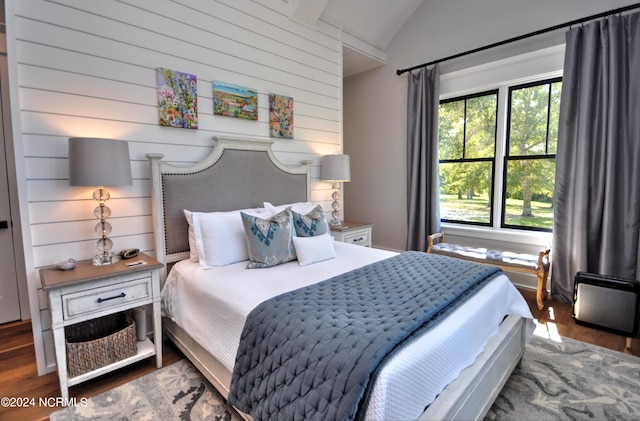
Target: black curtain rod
{"x": 518, "y": 38}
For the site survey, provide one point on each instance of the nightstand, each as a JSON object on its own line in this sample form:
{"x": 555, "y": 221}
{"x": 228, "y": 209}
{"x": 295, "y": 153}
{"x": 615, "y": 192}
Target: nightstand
{"x": 88, "y": 292}
{"x": 353, "y": 232}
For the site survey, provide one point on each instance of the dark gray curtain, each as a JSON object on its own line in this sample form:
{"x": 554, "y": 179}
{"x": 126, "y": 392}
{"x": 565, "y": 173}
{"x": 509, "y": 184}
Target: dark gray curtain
{"x": 597, "y": 190}
{"x": 422, "y": 157}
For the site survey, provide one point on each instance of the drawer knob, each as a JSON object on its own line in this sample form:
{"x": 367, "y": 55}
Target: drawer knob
{"x": 355, "y": 240}
{"x": 121, "y": 295}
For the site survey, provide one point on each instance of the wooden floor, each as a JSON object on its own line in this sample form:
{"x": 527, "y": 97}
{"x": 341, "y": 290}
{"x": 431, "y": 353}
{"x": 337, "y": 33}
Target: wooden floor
{"x": 555, "y": 319}
{"x": 19, "y": 378}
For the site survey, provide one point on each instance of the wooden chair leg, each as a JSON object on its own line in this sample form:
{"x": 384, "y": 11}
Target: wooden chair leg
{"x": 541, "y": 292}
{"x": 543, "y": 274}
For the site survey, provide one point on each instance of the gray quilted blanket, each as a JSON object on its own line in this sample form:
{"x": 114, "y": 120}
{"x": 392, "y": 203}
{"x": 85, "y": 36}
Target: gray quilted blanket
{"x": 310, "y": 354}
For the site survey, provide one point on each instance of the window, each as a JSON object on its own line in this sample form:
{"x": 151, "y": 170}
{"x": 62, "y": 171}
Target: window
{"x": 530, "y": 158}
{"x": 476, "y": 155}
{"x": 467, "y": 145}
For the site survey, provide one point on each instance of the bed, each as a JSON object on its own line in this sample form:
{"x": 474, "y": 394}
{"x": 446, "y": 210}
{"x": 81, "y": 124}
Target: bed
{"x": 205, "y": 314}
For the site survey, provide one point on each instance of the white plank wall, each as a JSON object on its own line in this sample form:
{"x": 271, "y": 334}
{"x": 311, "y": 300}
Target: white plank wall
{"x": 88, "y": 68}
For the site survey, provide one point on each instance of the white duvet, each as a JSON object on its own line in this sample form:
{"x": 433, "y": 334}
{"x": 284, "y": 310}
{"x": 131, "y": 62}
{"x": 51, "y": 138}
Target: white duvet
{"x": 212, "y": 304}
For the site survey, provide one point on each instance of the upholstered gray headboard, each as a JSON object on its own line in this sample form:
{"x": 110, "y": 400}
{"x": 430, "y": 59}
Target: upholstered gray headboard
{"x": 237, "y": 174}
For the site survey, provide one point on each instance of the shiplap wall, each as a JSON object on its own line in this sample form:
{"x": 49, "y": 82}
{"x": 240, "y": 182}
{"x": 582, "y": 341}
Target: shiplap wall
{"x": 88, "y": 68}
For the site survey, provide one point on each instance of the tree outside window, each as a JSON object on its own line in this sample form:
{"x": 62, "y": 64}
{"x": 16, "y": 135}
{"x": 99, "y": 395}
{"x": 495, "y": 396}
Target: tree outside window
{"x": 529, "y": 169}
{"x": 467, "y": 144}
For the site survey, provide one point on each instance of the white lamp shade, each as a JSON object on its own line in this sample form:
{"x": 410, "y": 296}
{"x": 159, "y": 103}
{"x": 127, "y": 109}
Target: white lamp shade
{"x": 98, "y": 162}
{"x": 336, "y": 168}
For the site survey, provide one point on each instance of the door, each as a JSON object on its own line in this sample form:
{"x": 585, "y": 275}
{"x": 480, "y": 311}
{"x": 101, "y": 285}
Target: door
{"x": 9, "y": 302}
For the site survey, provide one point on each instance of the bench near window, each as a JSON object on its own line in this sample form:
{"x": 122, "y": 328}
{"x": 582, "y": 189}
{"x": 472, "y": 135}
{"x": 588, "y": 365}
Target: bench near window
{"x": 528, "y": 263}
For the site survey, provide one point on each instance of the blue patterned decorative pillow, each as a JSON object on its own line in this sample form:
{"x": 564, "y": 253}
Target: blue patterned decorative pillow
{"x": 269, "y": 241}
{"x": 312, "y": 224}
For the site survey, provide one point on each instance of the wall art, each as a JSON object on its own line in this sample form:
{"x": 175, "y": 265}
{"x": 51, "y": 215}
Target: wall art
{"x": 235, "y": 101}
{"x": 177, "y": 98}
{"x": 280, "y": 116}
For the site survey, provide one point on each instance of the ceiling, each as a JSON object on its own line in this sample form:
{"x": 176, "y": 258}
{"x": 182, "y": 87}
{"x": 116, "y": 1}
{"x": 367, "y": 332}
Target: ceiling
{"x": 376, "y": 22}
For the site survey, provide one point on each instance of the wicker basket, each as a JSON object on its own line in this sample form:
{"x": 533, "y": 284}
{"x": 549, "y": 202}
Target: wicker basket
{"x": 99, "y": 342}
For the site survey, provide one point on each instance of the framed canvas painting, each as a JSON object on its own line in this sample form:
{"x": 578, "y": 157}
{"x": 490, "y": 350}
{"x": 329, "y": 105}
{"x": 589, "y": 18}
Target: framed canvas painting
{"x": 177, "y": 98}
{"x": 280, "y": 116}
{"x": 235, "y": 101}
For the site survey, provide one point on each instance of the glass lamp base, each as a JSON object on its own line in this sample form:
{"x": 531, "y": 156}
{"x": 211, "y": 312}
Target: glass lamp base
{"x": 105, "y": 259}
{"x": 335, "y": 221}
{"x": 335, "y": 215}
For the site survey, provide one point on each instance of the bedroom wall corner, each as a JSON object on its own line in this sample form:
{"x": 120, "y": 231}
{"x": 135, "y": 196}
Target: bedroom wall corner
{"x": 375, "y": 138}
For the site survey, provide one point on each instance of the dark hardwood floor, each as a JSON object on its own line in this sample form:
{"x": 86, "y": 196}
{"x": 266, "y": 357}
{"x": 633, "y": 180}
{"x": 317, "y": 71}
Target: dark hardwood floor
{"x": 19, "y": 377}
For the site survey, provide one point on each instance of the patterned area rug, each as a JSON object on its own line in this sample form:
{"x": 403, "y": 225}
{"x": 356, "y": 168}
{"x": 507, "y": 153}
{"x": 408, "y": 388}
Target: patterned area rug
{"x": 570, "y": 380}
{"x": 175, "y": 392}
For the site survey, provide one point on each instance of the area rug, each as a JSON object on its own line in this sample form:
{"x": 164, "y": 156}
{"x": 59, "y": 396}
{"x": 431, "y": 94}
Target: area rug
{"x": 569, "y": 380}
{"x": 175, "y": 392}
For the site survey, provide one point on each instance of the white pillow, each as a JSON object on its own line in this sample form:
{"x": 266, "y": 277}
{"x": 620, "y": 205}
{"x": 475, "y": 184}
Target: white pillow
{"x": 314, "y": 249}
{"x": 193, "y": 251}
{"x": 300, "y": 207}
{"x": 219, "y": 237}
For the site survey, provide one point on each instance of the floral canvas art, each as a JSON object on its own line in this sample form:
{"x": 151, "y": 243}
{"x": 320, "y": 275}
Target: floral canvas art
{"x": 235, "y": 101}
{"x": 280, "y": 116}
{"x": 177, "y": 98}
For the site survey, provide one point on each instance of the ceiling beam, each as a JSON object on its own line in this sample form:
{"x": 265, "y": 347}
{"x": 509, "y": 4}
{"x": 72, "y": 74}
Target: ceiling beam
{"x": 306, "y": 12}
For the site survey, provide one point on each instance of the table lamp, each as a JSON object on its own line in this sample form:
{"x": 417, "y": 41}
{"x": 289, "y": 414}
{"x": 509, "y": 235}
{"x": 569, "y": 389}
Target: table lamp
{"x": 100, "y": 162}
{"x": 336, "y": 168}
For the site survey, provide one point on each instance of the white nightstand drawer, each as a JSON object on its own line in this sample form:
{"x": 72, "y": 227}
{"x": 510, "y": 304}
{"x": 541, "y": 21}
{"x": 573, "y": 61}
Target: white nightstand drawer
{"x": 359, "y": 237}
{"x": 82, "y": 303}
{"x": 358, "y": 233}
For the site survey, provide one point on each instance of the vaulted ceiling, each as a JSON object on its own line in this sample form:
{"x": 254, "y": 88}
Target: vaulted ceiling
{"x": 375, "y": 22}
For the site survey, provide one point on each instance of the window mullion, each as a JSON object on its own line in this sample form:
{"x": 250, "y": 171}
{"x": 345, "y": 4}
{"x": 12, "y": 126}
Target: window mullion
{"x": 464, "y": 132}
{"x": 501, "y": 151}
{"x": 546, "y": 145}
